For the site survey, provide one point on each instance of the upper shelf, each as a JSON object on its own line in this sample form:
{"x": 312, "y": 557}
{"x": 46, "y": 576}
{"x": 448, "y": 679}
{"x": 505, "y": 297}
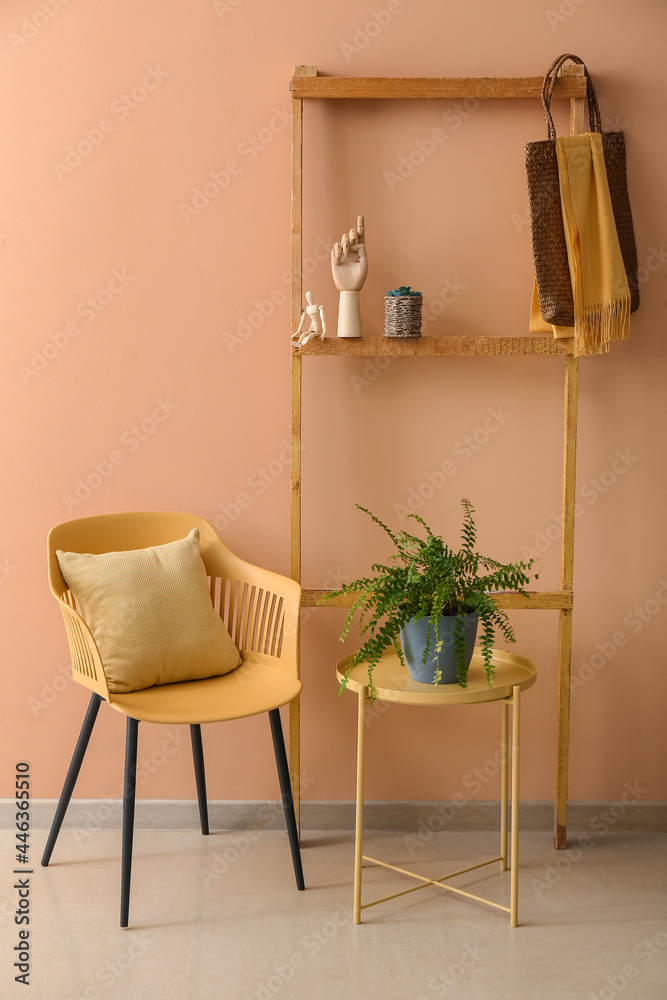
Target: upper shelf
{"x": 461, "y": 346}
{"x": 421, "y": 88}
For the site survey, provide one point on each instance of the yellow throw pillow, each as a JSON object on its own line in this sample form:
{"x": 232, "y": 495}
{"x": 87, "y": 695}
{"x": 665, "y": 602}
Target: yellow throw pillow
{"x": 151, "y": 614}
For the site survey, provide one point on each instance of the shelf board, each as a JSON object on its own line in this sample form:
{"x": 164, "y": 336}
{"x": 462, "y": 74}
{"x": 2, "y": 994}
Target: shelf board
{"x": 545, "y": 600}
{"x": 436, "y": 88}
{"x": 457, "y": 346}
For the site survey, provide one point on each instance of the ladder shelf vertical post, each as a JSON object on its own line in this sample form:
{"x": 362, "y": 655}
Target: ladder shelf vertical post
{"x": 295, "y": 422}
{"x": 577, "y": 126}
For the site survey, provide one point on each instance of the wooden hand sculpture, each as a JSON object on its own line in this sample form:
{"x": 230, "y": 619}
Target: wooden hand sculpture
{"x": 349, "y": 267}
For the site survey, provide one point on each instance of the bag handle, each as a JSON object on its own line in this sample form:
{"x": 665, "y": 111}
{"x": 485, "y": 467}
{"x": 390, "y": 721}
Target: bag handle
{"x": 594, "y": 119}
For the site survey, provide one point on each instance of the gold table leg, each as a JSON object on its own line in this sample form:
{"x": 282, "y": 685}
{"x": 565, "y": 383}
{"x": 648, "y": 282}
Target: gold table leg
{"x": 503, "y": 787}
{"x": 359, "y": 825}
{"x": 514, "y": 859}
{"x": 504, "y": 783}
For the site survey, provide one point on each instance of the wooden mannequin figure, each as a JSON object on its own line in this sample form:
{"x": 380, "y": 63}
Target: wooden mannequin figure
{"x": 312, "y": 323}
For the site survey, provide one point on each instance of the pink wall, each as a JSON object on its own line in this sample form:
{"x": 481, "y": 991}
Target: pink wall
{"x": 213, "y": 91}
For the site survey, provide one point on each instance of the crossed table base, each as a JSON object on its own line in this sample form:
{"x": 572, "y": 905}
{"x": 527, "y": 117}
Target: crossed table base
{"x": 392, "y": 683}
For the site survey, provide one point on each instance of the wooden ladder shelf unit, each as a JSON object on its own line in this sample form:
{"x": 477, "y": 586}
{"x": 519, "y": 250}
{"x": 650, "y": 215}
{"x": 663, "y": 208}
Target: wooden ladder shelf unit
{"x": 571, "y": 85}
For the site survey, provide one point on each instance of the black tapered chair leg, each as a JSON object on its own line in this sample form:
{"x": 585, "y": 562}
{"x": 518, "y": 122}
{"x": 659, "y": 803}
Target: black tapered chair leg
{"x": 200, "y": 776}
{"x": 72, "y": 775}
{"x": 286, "y": 793}
{"x": 129, "y": 788}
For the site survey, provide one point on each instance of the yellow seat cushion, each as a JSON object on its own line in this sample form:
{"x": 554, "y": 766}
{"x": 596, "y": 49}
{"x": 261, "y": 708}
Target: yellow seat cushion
{"x": 150, "y": 613}
{"x": 255, "y": 687}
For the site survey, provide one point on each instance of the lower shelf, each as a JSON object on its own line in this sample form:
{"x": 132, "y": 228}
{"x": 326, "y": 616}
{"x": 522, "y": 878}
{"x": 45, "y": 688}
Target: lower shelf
{"x": 545, "y": 600}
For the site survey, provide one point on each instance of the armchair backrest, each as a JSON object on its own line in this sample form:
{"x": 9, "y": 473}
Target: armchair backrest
{"x": 259, "y": 608}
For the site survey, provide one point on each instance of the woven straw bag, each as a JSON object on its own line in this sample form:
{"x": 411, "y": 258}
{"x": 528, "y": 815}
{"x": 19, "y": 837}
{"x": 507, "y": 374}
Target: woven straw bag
{"x": 552, "y": 272}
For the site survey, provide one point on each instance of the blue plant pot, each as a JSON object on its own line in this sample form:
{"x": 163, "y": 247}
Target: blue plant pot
{"x": 413, "y": 640}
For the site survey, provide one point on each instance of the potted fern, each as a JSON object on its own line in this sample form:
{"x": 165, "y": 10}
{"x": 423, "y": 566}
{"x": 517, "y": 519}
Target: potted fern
{"x": 428, "y": 602}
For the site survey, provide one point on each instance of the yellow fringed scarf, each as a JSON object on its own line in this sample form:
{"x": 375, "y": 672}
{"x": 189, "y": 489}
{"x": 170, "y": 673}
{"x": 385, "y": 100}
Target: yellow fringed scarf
{"x": 599, "y": 282}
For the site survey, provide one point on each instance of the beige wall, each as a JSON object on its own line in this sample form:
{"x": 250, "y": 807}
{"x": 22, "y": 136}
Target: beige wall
{"x": 183, "y": 326}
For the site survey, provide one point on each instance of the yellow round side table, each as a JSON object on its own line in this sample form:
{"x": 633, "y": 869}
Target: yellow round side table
{"x": 392, "y": 683}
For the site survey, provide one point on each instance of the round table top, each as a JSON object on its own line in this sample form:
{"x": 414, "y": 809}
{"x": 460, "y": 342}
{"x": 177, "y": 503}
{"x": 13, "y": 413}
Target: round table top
{"x": 393, "y": 682}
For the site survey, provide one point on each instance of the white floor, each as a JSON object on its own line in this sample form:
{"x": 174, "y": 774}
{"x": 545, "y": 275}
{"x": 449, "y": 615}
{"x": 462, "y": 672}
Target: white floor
{"x": 219, "y": 918}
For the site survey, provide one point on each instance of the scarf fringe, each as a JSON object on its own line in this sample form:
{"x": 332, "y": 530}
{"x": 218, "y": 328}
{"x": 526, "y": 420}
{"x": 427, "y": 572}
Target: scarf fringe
{"x": 601, "y": 324}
